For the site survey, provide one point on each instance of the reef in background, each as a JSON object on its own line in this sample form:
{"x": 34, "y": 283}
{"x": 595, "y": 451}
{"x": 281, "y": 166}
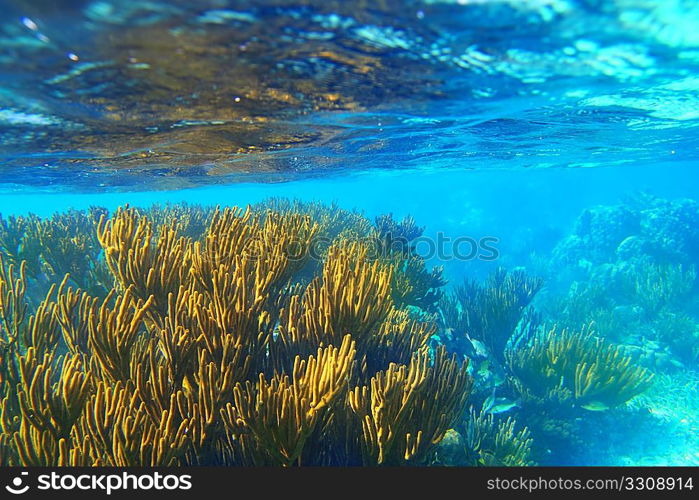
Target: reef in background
{"x": 294, "y": 333}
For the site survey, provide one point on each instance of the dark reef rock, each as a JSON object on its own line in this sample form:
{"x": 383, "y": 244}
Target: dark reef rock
{"x": 667, "y": 231}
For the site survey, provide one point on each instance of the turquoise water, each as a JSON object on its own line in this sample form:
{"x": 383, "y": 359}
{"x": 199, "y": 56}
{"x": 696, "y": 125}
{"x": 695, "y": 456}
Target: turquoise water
{"x": 564, "y": 130}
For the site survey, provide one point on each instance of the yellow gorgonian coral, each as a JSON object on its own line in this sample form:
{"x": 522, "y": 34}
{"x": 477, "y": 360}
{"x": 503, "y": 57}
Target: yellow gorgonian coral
{"x": 492, "y": 442}
{"x": 578, "y": 367}
{"x": 405, "y": 409}
{"x": 218, "y": 348}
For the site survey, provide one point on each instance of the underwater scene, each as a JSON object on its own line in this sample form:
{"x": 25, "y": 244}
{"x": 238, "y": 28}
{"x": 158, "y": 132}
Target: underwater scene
{"x": 349, "y": 233}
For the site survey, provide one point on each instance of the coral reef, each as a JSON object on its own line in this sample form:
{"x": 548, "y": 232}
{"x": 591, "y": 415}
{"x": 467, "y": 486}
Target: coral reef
{"x": 413, "y": 284}
{"x": 631, "y": 268}
{"x": 295, "y": 334}
{"x": 64, "y": 243}
{"x": 214, "y": 347}
{"x": 547, "y": 378}
{"x": 488, "y": 312}
{"x": 493, "y": 442}
{"x": 658, "y": 287}
{"x": 486, "y": 440}
{"x": 575, "y": 368}
{"x": 641, "y": 226}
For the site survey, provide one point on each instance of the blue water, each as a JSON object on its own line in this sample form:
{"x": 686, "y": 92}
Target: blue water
{"x": 130, "y": 95}
{"x": 479, "y": 118}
